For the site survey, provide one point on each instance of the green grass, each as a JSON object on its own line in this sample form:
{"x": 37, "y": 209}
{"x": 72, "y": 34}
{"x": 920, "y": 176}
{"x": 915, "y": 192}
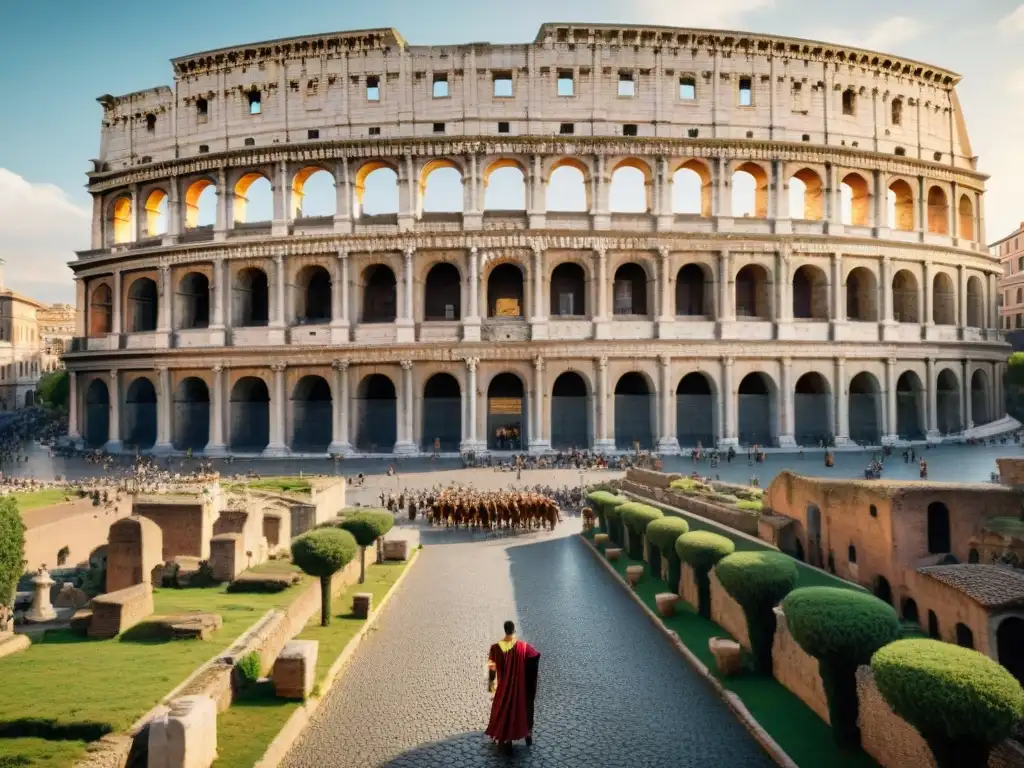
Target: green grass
{"x": 749, "y": 505}
{"x": 246, "y": 729}
{"x": 1008, "y": 526}
{"x": 282, "y": 484}
{"x": 72, "y": 679}
{"x": 40, "y": 753}
{"x": 276, "y": 566}
{"x": 45, "y": 497}
{"x": 805, "y": 737}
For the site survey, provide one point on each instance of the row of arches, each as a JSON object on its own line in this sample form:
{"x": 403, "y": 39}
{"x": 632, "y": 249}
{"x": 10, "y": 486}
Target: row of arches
{"x": 567, "y": 186}
{"x": 375, "y": 408}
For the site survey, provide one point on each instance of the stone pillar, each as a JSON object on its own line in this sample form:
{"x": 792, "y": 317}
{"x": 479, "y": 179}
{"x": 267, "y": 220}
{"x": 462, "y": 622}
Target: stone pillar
{"x": 933, "y": 403}
{"x": 668, "y": 441}
{"x": 880, "y": 198}
{"x": 470, "y": 442}
{"x": 965, "y": 389}
{"x": 728, "y": 406}
{"x": 277, "y": 320}
{"x": 961, "y": 296}
{"x": 74, "y": 430}
{"x": 782, "y": 312}
{"x": 471, "y": 323}
{"x": 405, "y": 445}
{"x": 343, "y": 206}
{"x": 891, "y": 423}
{"x": 278, "y": 404}
{"x": 42, "y": 609}
{"x": 406, "y": 331}
{"x": 114, "y": 432}
{"x": 216, "y": 445}
{"x": 339, "y": 299}
{"x": 602, "y": 328}
{"x": 604, "y": 443}
{"x": 666, "y": 312}
{"x": 842, "y": 404}
{"x": 838, "y": 284}
{"x": 725, "y": 306}
{"x": 174, "y": 216}
{"x": 992, "y": 309}
{"x": 539, "y": 442}
{"x": 221, "y": 225}
{"x": 165, "y": 302}
{"x": 115, "y": 320}
{"x": 163, "y": 412}
{"x": 926, "y": 297}
{"x": 282, "y": 193}
{"x": 787, "y": 406}
{"x": 885, "y": 290}
{"x": 340, "y": 444}
{"x": 218, "y": 301}
{"x": 539, "y": 320}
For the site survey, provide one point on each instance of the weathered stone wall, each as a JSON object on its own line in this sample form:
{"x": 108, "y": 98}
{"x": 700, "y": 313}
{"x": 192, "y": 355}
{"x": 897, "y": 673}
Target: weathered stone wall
{"x": 277, "y": 529}
{"x": 134, "y": 550}
{"x": 77, "y": 525}
{"x": 950, "y": 606}
{"x": 796, "y": 669}
{"x": 115, "y": 612}
{"x": 248, "y": 524}
{"x": 227, "y": 556}
{"x": 651, "y": 478}
{"x": 727, "y": 613}
{"x": 303, "y": 518}
{"x": 187, "y": 527}
{"x": 328, "y": 497}
{"x": 733, "y": 518}
{"x": 888, "y": 738}
{"x": 1011, "y": 471}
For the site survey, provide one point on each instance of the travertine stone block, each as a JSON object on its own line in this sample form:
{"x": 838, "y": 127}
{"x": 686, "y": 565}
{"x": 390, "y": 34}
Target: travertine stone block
{"x": 634, "y": 573}
{"x": 362, "y": 604}
{"x": 666, "y": 602}
{"x": 185, "y": 736}
{"x": 600, "y": 539}
{"x": 613, "y": 553}
{"x": 115, "y": 612}
{"x": 728, "y": 655}
{"x": 295, "y": 669}
{"x": 396, "y": 549}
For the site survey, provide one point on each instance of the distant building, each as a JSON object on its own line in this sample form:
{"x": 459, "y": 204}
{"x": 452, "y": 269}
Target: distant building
{"x": 56, "y": 329}
{"x": 20, "y": 349}
{"x": 1010, "y": 299}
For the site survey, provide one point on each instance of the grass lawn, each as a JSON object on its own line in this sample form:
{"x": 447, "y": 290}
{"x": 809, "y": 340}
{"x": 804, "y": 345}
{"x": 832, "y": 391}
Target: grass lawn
{"x": 805, "y": 737}
{"x": 282, "y": 484}
{"x": 44, "y": 497}
{"x": 245, "y": 731}
{"x": 72, "y": 679}
{"x": 276, "y": 566}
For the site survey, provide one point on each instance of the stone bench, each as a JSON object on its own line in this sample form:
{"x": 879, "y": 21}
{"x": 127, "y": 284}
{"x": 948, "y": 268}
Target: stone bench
{"x": 295, "y": 669}
{"x": 613, "y": 553}
{"x": 362, "y": 604}
{"x": 634, "y": 573}
{"x": 115, "y": 612}
{"x": 186, "y": 735}
{"x": 186, "y": 626}
{"x": 396, "y": 549}
{"x": 227, "y": 556}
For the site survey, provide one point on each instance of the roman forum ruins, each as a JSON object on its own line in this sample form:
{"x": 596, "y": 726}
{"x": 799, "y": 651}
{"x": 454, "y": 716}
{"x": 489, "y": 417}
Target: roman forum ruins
{"x": 806, "y": 258}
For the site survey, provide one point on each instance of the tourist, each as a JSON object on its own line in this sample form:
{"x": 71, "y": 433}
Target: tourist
{"x": 512, "y": 678}
{"x": 924, "y": 469}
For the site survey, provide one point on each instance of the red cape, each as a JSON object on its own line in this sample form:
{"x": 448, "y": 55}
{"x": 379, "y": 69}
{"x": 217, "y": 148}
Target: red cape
{"x": 512, "y": 708}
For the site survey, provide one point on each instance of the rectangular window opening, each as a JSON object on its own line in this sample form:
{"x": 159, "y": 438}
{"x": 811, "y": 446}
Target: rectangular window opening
{"x": 440, "y": 86}
{"x": 375, "y": 130}
{"x": 627, "y": 85}
{"x": 503, "y": 85}
{"x": 692, "y": 133}
{"x": 503, "y": 128}
{"x": 629, "y": 129}
{"x": 373, "y": 88}
{"x": 687, "y": 89}
{"x": 255, "y": 105}
{"x": 313, "y": 133}
{"x": 746, "y": 92}
{"x": 566, "y": 84}
{"x": 849, "y": 102}
{"x": 566, "y": 129}
{"x": 202, "y": 110}
{"x": 438, "y": 127}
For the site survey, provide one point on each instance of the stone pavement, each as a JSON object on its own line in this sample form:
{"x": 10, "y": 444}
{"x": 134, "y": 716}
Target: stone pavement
{"x": 612, "y": 692}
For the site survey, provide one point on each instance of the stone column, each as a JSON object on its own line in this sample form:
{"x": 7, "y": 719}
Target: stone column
{"x": 933, "y": 403}
{"x": 787, "y": 407}
{"x": 668, "y": 441}
{"x": 885, "y": 289}
{"x": 725, "y": 305}
{"x": 961, "y": 296}
{"x": 218, "y": 300}
{"x": 965, "y": 389}
{"x": 992, "y": 310}
{"x": 880, "y": 198}
{"x": 470, "y": 443}
{"x": 666, "y": 312}
{"x": 339, "y": 299}
{"x": 164, "y": 306}
{"x": 221, "y": 225}
{"x": 838, "y": 284}
{"x": 278, "y": 404}
{"x": 782, "y": 311}
{"x": 216, "y": 446}
{"x": 340, "y": 444}
{"x": 405, "y": 445}
{"x": 343, "y": 206}
{"x": 277, "y": 320}
{"x": 174, "y": 215}
{"x": 539, "y": 442}
{"x": 605, "y": 441}
{"x": 927, "y": 317}
{"x": 74, "y": 430}
{"x": 539, "y": 320}
{"x": 115, "y": 321}
{"x": 602, "y": 327}
{"x": 114, "y": 430}
{"x": 891, "y": 422}
{"x": 727, "y": 406}
{"x": 842, "y": 404}
{"x": 282, "y": 193}
{"x": 163, "y": 412}
{"x": 471, "y": 323}
{"x": 406, "y": 330}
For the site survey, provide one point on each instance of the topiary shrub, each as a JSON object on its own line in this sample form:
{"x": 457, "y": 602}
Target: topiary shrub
{"x": 367, "y": 527}
{"x": 323, "y": 552}
{"x": 841, "y": 628}
{"x": 637, "y": 517}
{"x": 758, "y": 581}
{"x": 613, "y": 513}
{"x": 702, "y": 550}
{"x": 661, "y": 543}
{"x": 601, "y": 501}
{"x": 12, "y": 556}
{"x": 248, "y": 669}
{"x": 962, "y": 702}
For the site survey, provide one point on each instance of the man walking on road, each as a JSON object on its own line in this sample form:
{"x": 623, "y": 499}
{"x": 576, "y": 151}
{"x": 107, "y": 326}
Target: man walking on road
{"x": 512, "y": 678}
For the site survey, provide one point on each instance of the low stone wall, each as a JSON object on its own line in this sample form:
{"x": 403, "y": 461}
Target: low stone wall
{"x": 651, "y": 478}
{"x": 77, "y": 525}
{"x": 733, "y": 518}
{"x": 796, "y": 669}
{"x": 688, "y": 585}
{"x": 328, "y": 496}
{"x": 727, "y": 613}
{"x": 115, "y": 612}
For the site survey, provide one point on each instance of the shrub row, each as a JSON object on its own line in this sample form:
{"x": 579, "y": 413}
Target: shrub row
{"x": 602, "y": 501}
{"x": 636, "y": 517}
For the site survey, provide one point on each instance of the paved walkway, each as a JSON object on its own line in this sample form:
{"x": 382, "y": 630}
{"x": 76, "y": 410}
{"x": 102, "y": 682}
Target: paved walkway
{"x": 612, "y": 692}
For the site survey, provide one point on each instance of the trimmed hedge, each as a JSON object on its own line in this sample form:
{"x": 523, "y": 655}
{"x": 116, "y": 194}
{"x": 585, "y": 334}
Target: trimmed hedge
{"x": 702, "y": 550}
{"x": 841, "y": 629}
{"x": 613, "y": 513}
{"x": 758, "y": 581}
{"x": 962, "y": 702}
{"x": 661, "y": 543}
{"x": 637, "y": 517}
{"x": 602, "y": 501}
{"x": 323, "y": 552}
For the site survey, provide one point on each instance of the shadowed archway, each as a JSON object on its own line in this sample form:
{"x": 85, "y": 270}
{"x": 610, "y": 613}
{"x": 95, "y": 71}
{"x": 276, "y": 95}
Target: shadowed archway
{"x": 909, "y": 407}
{"x": 695, "y": 411}
{"x": 570, "y": 412}
{"x": 377, "y": 406}
{"x": 97, "y": 414}
{"x": 812, "y": 403}
{"x": 442, "y": 414}
{"x": 865, "y": 409}
{"x": 311, "y": 415}
{"x": 506, "y": 413}
{"x": 756, "y": 409}
{"x": 191, "y": 414}
{"x": 634, "y": 413}
{"x": 140, "y": 414}
{"x": 250, "y": 415}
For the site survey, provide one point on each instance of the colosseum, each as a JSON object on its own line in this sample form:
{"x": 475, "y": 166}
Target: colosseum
{"x": 702, "y": 236}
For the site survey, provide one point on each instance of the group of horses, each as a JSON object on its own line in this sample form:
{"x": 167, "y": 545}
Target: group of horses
{"x": 493, "y": 510}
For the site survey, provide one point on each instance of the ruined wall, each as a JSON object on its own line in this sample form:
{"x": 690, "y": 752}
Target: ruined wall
{"x": 328, "y": 497}
{"x": 651, "y": 478}
{"x": 796, "y": 669}
{"x": 187, "y": 527}
{"x": 134, "y": 550}
{"x": 1011, "y": 471}
{"x": 277, "y": 529}
{"x": 227, "y": 556}
{"x": 727, "y": 613}
{"x": 248, "y": 524}
{"x": 733, "y": 518}
{"x": 77, "y": 525}
{"x": 116, "y": 612}
{"x": 950, "y": 606}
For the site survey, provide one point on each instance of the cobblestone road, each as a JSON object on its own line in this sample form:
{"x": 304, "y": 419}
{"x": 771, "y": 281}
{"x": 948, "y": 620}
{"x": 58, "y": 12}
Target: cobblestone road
{"x": 612, "y": 692}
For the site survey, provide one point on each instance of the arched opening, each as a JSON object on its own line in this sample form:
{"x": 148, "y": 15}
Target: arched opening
{"x": 855, "y": 200}
{"x": 965, "y": 210}
{"x": 806, "y": 196}
{"x": 377, "y": 403}
{"x": 901, "y": 206}
{"x": 505, "y": 186}
{"x": 964, "y": 636}
{"x": 101, "y": 311}
{"x": 191, "y": 414}
{"x": 506, "y": 413}
{"x": 312, "y": 416}
{"x": 694, "y": 292}
{"x": 156, "y": 213}
{"x": 313, "y": 305}
{"x": 567, "y": 187}
{"x": 630, "y": 188}
{"x": 140, "y": 414}
{"x": 975, "y": 303}
{"x": 696, "y": 412}
{"x": 201, "y": 204}
{"x": 938, "y": 211}
{"x": 812, "y": 410}
{"x": 979, "y": 398}
{"x": 193, "y": 310}
{"x": 442, "y": 293}
{"x": 756, "y": 409}
{"x": 568, "y": 290}
{"x": 814, "y": 538}
{"x": 380, "y": 294}
{"x": 634, "y": 413}
{"x": 250, "y": 415}
{"x": 142, "y": 305}
{"x": 250, "y": 298}
{"x": 376, "y": 190}
{"x": 691, "y": 189}
{"x": 121, "y": 220}
{"x": 97, "y": 414}
{"x": 629, "y": 290}
{"x": 947, "y": 403}
{"x": 253, "y": 200}
{"x": 442, "y": 413}
{"x": 750, "y": 191}
{"x": 943, "y": 300}
{"x": 313, "y": 194}
{"x": 882, "y": 590}
{"x": 933, "y": 626}
{"x": 939, "y": 542}
{"x": 904, "y": 298}
{"x": 1010, "y": 646}
{"x": 441, "y": 188}
{"x": 909, "y": 406}
{"x": 908, "y": 609}
{"x": 570, "y": 412}
{"x": 810, "y": 294}
{"x": 505, "y": 291}
{"x": 865, "y": 410}
{"x": 754, "y": 293}
{"x": 861, "y": 296}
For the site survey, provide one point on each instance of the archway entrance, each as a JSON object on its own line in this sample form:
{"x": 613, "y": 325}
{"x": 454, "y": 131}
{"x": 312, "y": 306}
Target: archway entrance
{"x": 311, "y": 415}
{"x": 250, "y": 415}
{"x": 506, "y": 413}
{"x": 908, "y": 407}
{"x": 191, "y": 415}
{"x": 442, "y": 295}
{"x": 865, "y": 410}
{"x": 634, "y": 413}
{"x": 570, "y": 412}
{"x": 812, "y": 405}
{"x": 979, "y": 398}
{"x": 505, "y": 292}
{"x": 947, "y": 402}
{"x": 939, "y": 541}
{"x": 442, "y": 413}
{"x": 695, "y": 411}
{"x": 97, "y": 414}
{"x": 314, "y": 296}
{"x": 1010, "y": 646}
{"x": 909, "y": 610}
{"x": 568, "y": 291}
{"x": 140, "y": 414}
{"x": 756, "y": 407}
{"x": 377, "y": 428}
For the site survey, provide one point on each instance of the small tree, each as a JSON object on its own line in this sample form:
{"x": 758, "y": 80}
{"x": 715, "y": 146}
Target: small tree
{"x": 601, "y": 501}
{"x": 758, "y": 581}
{"x": 841, "y": 628}
{"x": 1013, "y": 385}
{"x": 613, "y": 513}
{"x": 661, "y": 543}
{"x": 702, "y": 550}
{"x": 12, "y": 557}
{"x": 637, "y": 517}
{"x": 367, "y": 527}
{"x": 962, "y": 702}
{"x": 323, "y": 552}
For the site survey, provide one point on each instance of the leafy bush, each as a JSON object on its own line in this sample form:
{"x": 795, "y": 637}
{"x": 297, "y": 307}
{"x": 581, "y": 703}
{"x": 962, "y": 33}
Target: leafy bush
{"x": 366, "y": 527}
{"x": 750, "y": 505}
{"x": 12, "y": 556}
{"x": 661, "y": 543}
{"x": 323, "y": 552}
{"x": 601, "y": 501}
{"x": 841, "y": 628}
{"x": 702, "y": 550}
{"x": 637, "y": 517}
{"x": 962, "y": 702}
{"x": 1013, "y": 385}
{"x": 613, "y": 513}
{"x": 758, "y": 581}
{"x": 248, "y": 669}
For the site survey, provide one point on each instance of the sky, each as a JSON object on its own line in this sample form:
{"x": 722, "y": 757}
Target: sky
{"x": 57, "y": 56}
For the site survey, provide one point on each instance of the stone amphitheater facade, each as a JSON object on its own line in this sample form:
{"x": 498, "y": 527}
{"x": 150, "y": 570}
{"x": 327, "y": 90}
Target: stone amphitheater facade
{"x": 869, "y": 315}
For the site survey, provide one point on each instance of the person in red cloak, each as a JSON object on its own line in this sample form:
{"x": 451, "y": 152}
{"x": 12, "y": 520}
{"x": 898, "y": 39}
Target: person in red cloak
{"x": 512, "y": 678}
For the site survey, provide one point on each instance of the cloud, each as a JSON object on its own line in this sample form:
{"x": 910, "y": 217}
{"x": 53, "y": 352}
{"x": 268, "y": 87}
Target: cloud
{"x": 40, "y": 229}
{"x": 697, "y": 13}
{"x": 1013, "y": 22}
{"x": 887, "y": 35}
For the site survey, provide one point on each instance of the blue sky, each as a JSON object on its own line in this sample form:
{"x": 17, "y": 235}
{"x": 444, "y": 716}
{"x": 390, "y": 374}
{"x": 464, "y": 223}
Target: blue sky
{"x": 57, "y": 56}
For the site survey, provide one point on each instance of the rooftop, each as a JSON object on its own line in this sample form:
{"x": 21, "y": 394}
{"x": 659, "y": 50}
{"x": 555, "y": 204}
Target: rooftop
{"x": 991, "y": 586}
{"x": 892, "y": 488}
